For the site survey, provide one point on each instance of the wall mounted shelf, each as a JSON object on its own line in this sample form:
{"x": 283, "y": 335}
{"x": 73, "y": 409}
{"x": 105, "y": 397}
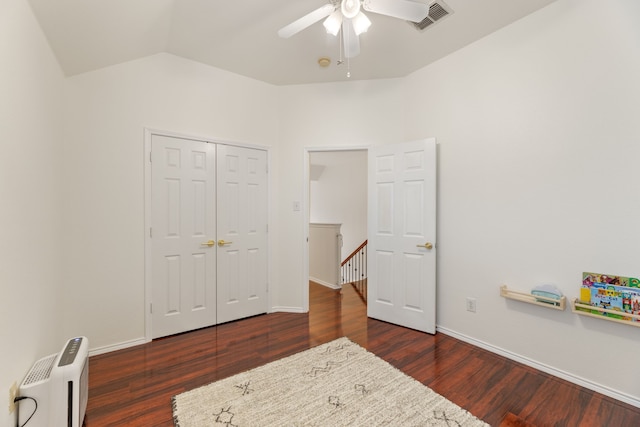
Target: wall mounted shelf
{"x": 577, "y": 304}
{"x": 555, "y": 304}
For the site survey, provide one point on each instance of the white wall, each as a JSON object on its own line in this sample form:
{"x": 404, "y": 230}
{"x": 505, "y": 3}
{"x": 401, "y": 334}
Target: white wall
{"x": 340, "y": 195}
{"x": 353, "y": 114}
{"x": 31, "y": 88}
{"x": 538, "y": 144}
{"x": 324, "y": 254}
{"x": 539, "y": 141}
{"x": 107, "y": 111}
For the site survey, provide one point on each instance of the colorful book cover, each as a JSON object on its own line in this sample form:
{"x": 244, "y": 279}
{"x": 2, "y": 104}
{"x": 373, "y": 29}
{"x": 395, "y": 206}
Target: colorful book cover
{"x": 631, "y": 302}
{"x": 590, "y": 278}
{"x": 604, "y": 296}
{"x": 611, "y": 292}
{"x": 634, "y": 308}
{"x": 619, "y": 298}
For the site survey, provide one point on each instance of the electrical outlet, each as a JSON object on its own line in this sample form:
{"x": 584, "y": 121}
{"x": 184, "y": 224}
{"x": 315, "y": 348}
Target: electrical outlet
{"x": 13, "y": 392}
{"x": 471, "y": 304}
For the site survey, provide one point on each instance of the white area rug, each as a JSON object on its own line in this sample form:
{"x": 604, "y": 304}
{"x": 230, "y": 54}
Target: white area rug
{"x": 334, "y": 384}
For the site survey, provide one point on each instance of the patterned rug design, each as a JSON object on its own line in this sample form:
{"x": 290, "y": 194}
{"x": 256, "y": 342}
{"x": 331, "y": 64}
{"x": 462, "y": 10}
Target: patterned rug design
{"x": 334, "y": 384}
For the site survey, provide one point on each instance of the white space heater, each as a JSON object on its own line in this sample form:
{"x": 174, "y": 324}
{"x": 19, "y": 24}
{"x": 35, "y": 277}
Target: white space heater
{"x": 60, "y": 385}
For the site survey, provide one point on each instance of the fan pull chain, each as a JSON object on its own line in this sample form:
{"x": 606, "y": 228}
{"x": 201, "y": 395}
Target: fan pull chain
{"x": 340, "y": 45}
{"x": 341, "y": 60}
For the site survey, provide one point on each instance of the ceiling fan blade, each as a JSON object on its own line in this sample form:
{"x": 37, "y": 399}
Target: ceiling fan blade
{"x": 402, "y": 9}
{"x": 306, "y": 21}
{"x": 350, "y": 39}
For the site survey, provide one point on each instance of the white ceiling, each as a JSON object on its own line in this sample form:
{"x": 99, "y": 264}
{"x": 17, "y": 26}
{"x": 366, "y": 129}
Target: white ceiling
{"x": 240, "y": 36}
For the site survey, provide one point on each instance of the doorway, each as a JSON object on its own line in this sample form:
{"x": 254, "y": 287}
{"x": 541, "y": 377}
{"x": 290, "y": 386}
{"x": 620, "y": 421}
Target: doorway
{"x": 401, "y": 217}
{"x": 337, "y": 195}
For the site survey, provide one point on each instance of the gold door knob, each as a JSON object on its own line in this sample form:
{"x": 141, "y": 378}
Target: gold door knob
{"x": 209, "y": 243}
{"x": 427, "y": 245}
{"x": 222, "y": 243}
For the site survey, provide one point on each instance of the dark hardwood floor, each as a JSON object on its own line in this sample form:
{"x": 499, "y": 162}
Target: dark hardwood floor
{"x": 134, "y": 386}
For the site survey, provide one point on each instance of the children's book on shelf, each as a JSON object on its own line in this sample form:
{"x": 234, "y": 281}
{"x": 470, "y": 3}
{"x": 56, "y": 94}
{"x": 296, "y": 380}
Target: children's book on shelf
{"x": 611, "y": 292}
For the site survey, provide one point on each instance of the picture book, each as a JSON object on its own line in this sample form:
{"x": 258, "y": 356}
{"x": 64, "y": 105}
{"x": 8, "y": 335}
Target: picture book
{"x": 611, "y": 292}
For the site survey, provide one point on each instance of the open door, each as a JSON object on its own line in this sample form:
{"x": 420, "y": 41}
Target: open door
{"x": 402, "y": 234}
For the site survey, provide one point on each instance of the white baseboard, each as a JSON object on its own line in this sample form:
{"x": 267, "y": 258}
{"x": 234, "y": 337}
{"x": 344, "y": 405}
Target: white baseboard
{"x": 118, "y": 346}
{"x": 283, "y": 309}
{"x": 323, "y": 283}
{"x": 599, "y": 388}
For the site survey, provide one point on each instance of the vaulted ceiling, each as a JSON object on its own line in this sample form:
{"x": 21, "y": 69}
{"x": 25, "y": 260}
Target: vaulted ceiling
{"x": 241, "y": 36}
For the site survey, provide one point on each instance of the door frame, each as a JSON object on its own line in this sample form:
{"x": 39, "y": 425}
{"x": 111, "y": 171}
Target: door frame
{"x": 307, "y": 213}
{"x": 148, "y": 134}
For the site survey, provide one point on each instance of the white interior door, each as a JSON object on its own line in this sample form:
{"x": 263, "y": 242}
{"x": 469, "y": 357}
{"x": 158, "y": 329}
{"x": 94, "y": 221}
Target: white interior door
{"x": 182, "y": 221}
{"x": 402, "y": 234}
{"x": 242, "y": 232}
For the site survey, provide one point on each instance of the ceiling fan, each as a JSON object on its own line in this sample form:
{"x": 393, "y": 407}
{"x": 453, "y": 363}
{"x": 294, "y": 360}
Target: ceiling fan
{"x": 347, "y": 15}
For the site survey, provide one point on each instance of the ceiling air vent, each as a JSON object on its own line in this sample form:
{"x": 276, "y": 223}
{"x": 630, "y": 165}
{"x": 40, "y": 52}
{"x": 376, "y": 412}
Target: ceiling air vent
{"x": 437, "y": 11}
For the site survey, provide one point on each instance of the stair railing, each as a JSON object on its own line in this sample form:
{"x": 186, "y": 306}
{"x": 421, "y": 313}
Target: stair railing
{"x": 353, "y": 270}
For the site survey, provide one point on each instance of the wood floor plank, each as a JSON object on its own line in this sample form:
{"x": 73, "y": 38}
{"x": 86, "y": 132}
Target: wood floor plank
{"x": 134, "y": 386}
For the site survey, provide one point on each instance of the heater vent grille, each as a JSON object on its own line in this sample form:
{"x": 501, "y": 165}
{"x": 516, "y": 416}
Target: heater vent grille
{"x": 437, "y": 11}
{"x": 41, "y": 370}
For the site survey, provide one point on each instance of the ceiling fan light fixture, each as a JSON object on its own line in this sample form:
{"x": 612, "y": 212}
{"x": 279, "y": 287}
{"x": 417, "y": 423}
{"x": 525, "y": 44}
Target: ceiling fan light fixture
{"x": 351, "y": 22}
{"x": 333, "y": 22}
{"x": 361, "y": 23}
{"x": 350, "y": 8}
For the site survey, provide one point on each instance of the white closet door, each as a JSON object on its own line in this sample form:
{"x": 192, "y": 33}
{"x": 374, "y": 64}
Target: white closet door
{"x": 183, "y": 221}
{"x": 402, "y": 234}
{"x": 242, "y": 232}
